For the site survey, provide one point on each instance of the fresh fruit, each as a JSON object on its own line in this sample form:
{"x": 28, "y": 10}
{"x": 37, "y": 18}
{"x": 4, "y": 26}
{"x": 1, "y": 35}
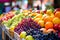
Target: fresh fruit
{"x": 29, "y": 37}
{"x": 49, "y": 12}
{"x": 23, "y": 34}
{"x": 43, "y": 30}
{"x": 57, "y": 9}
{"x": 47, "y": 18}
{"x": 56, "y": 20}
{"x": 37, "y": 19}
{"x": 26, "y": 24}
{"x": 57, "y": 14}
{"x": 56, "y": 26}
{"x": 41, "y": 23}
{"x": 51, "y": 30}
{"x": 39, "y": 16}
{"x": 59, "y": 27}
{"x": 44, "y": 16}
{"x": 48, "y": 25}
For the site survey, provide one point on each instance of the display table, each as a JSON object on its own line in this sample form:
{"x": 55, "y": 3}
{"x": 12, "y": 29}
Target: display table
{"x": 5, "y": 34}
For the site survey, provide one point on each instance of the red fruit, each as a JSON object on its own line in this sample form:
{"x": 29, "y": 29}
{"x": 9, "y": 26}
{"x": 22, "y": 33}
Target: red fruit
{"x": 56, "y": 26}
{"x": 38, "y": 11}
{"x": 44, "y": 11}
{"x": 58, "y": 9}
{"x": 59, "y": 27}
{"x": 59, "y": 34}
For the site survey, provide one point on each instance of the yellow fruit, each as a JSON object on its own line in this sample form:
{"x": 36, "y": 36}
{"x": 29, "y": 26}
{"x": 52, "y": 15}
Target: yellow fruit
{"x": 39, "y": 16}
{"x": 49, "y": 12}
{"x": 12, "y": 28}
{"x": 44, "y": 16}
{"x": 37, "y": 20}
{"x": 56, "y": 20}
{"x": 23, "y": 34}
{"x": 41, "y": 23}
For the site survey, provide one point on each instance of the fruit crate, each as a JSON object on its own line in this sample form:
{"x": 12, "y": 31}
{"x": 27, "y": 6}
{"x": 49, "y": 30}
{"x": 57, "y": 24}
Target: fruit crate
{"x": 16, "y": 36}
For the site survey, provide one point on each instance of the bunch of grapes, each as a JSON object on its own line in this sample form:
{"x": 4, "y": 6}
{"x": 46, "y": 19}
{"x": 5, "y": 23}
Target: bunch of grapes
{"x": 38, "y": 35}
{"x": 26, "y": 24}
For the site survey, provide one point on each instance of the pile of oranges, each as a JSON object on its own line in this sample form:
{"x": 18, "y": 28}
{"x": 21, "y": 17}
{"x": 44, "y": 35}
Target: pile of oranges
{"x": 48, "y": 20}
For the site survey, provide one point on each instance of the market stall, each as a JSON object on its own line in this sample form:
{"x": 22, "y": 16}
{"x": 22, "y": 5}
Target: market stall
{"x": 32, "y": 25}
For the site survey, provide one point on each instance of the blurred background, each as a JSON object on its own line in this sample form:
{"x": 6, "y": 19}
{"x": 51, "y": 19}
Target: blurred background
{"x": 25, "y": 4}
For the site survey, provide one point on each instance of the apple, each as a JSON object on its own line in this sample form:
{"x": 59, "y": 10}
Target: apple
{"x": 38, "y": 11}
{"x": 57, "y": 9}
{"x": 56, "y": 26}
{"x": 29, "y": 37}
{"x": 59, "y": 27}
{"x": 23, "y": 34}
{"x": 44, "y": 11}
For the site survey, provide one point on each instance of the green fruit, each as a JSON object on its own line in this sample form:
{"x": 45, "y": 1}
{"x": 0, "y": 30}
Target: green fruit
{"x": 29, "y": 37}
{"x": 23, "y": 34}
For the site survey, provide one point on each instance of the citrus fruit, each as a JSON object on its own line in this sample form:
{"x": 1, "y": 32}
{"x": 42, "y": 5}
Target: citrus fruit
{"x": 48, "y": 25}
{"x": 57, "y": 14}
{"x": 47, "y": 18}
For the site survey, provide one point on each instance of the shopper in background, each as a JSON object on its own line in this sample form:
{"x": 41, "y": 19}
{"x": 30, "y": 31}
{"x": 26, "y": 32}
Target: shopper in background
{"x": 7, "y": 7}
{"x": 16, "y": 7}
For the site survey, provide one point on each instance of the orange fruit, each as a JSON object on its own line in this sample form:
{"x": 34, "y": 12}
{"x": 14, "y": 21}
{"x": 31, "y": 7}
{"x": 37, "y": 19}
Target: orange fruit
{"x": 48, "y": 25}
{"x": 57, "y": 14}
{"x": 47, "y": 18}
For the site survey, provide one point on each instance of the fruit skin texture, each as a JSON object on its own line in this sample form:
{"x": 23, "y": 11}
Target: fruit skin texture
{"x": 49, "y": 12}
{"x": 47, "y": 18}
{"x": 56, "y": 20}
{"x": 51, "y": 30}
{"x": 29, "y": 37}
{"x": 41, "y": 23}
{"x": 44, "y": 30}
{"x": 57, "y": 14}
{"x": 59, "y": 27}
{"x": 49, "y": 25}
{"x": 56, "y": 26}
{"x": 23, "y": 34}
{"x": 37, "y": 20}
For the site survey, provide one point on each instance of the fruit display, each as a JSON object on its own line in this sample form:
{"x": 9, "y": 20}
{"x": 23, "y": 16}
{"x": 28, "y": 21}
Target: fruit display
{"x": 41, "y": 25}
{"x": 7, "y": 16}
